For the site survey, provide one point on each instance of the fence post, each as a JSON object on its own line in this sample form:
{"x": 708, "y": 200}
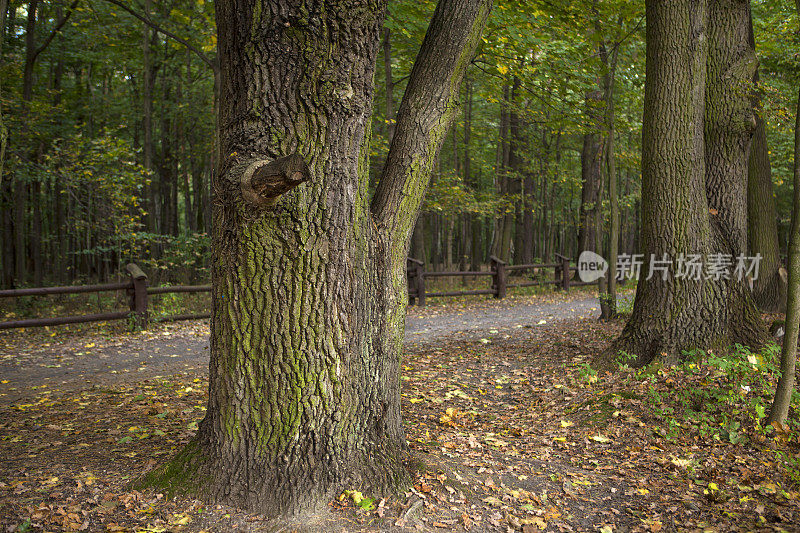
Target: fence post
{"x": 499, "y": 277}
{"x": 138, "y": 295}
{"x": 565, "y": 273}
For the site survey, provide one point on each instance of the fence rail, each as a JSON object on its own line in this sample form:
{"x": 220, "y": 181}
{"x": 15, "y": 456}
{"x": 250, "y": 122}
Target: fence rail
{"x": 499, "y": 271}
{"x": 136, "y": 288}
{"x": 138, "y": 291}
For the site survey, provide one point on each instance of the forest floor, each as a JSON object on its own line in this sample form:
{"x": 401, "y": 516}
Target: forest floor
{"x": 517, "y": 430}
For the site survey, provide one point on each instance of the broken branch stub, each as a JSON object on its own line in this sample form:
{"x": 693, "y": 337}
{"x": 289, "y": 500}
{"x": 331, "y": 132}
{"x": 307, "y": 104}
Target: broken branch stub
{"x": 264, "y": 181}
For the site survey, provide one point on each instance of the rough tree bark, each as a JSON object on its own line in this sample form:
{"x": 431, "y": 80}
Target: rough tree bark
{"x": 308, "y": 277}
{"x": 694, "y": 166}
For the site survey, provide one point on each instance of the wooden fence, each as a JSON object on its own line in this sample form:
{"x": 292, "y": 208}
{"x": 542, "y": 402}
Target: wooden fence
{"x": 499, "y": 272}
{"x": 136, "y": 288}
{"x": 138, "y": 291}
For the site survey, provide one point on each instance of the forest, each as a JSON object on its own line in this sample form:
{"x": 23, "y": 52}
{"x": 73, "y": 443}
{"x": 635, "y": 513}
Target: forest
{"x": 307, "y": 167}
{"x": 110, "y": 134}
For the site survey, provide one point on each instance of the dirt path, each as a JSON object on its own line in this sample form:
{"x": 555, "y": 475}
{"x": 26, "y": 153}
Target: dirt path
{"x": 58, "y": 362}
{"x": 512, "y": 431}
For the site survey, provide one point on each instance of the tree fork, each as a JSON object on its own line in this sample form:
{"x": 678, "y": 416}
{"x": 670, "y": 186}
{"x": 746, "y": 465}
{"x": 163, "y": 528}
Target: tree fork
{"x": 309, "y": 295}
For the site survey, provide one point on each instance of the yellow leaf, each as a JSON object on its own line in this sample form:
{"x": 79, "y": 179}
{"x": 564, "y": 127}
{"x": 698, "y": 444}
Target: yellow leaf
{"x": 567, "y": 423}
{"x": 643, "y": 491}
{"x": 713, "y": 486}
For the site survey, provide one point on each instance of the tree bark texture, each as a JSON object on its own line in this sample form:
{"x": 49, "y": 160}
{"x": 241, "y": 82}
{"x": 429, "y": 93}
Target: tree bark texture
{"x": 309, "y": 287}
{"x": 693, "y": 178}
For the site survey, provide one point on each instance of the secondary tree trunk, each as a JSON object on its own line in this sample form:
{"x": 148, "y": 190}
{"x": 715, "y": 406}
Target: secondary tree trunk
{"x": 308, "y": 277}
{"x": 693, "y": 198}
{"x": 783, "y": 394}
{"x": 769, "y": 288}
{"x": 504, "y": 224}
{"x": 590, "y": 176}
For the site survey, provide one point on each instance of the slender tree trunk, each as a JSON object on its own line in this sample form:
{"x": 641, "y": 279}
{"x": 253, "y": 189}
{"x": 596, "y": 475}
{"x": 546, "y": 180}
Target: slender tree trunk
{"x": 505, "y": 223}
{"x": 783, "y": 394}
{"x": 151, "y": 205}
{"x": 418, "y": 240}
{"x": 683, "y": 184}
{"x": 36, "y": 232}
{"x": 308, "y": 277}
{"x": 590, "y": 177}
{"x": 5, "y": 191}
{"x": 769, "y": 288}
{"x": 387, "y": 72}
{"x": 608, "y": 302}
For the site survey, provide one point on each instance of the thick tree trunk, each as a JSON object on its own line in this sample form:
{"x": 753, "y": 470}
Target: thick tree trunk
{"x": 309, "y": 277}
{"x": 683, "y": 185}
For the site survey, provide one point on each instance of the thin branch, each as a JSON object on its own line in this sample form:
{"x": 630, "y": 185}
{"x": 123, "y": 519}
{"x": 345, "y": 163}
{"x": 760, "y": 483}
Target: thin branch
{"x": 56, "y": 29}
{"x": 207, "y": 60}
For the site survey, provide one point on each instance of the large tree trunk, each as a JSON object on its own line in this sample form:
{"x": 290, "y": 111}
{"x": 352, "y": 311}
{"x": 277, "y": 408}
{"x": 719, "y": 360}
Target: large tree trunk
{"x": 308, "y": 277}
{"x": 693, "y": 176}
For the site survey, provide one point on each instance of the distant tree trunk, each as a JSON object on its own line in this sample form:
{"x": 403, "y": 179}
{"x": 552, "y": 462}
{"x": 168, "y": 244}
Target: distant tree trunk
{"x": 504, "y": 224}
{"x": 418, "y": 240}
{"x": 769, "y": 288}
{"x": 308, "y": 277}
{"x": 683, "y": 184}
{"x": 527, "y": 217}
{"x": 476, "y": 255}
{"x": 590, "y": 177}
{"x": 516, "y": 163}
{"x": 148, "y": 81}
{"x": 36, "y": 231}
{"x": 608, "y": 302}
{"x": 783, "y": 394}
{"x": 5, "y": 191}
{"x": 183, "y": 152}
{"x": 387, "y": 72}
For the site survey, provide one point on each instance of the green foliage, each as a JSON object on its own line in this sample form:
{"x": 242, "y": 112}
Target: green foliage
{"x": 724, "y": 397}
